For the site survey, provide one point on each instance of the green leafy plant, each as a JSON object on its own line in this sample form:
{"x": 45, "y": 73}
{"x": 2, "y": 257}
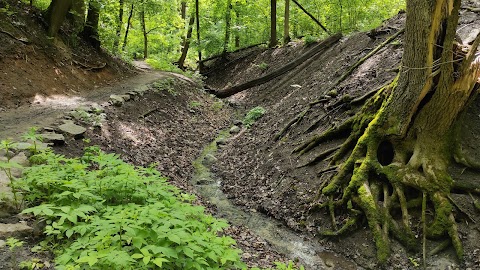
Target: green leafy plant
{"x": 7, "y": 167}
{"x": 253, "y": 115}
{"x": 32, "y": 264}
{"x": 310, "y": 39}
{"x": 165, "y": 85}
{"x": 13, "y": 245}
{"x": 32, "y": 135}
{"x": 263, "y": 66}
{"x": 217, "y": 105}
{"x": 102, "y": 213}
{"x": 282, "y": 266}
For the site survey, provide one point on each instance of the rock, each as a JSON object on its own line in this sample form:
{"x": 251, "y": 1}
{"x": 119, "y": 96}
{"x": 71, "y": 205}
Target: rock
{"x": 2, "y": 244}
{"x": 14, "y": 230}
{"x": 237, "y": 122}
{"x": 117, "y": 100}
{"x": 56, "y": 139}
{"x": 73, "y": 130}
{"x": 141, "y": 90}
{"x": 4, "y": 153}
{"x": 23, "y": 146}
{"x": 234, "y": 130}
{"x": 125, "y": 97}
{"x": 48, "y": 129}
{"x": 221, "y": 141}
{"x": 97, "y": 109}
{"x": 80, "y": 115}
{"x": 204, "y": 181}
{"x": 210, "y": 159}
{"x": 21, "y": 159}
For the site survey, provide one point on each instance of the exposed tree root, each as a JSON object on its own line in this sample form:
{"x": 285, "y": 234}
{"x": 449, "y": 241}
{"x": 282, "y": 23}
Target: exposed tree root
{"x": 349, "y": 71}
{"x": 22, "y": 39}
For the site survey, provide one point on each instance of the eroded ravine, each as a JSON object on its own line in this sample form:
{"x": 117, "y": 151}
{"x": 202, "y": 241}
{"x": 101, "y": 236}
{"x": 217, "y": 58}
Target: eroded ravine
{"x": 295, "y": 246}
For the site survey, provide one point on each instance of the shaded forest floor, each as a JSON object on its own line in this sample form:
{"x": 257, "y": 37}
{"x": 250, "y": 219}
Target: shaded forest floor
{"x": 175, "y": 119}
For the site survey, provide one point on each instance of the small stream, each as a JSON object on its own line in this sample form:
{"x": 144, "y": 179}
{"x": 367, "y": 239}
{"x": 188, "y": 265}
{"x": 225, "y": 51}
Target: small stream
{"x": 295, "y": 246}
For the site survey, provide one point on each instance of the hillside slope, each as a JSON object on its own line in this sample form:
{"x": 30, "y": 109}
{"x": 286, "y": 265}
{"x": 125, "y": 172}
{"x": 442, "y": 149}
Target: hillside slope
{"x": 261, "y": 173}
{"x": 33, "y": 66}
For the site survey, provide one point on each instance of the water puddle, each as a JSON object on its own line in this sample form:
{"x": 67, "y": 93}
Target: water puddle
{"x": 295, "y": 246}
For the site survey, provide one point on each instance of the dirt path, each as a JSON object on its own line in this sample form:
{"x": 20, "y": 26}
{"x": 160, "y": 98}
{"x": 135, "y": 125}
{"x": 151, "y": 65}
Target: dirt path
{"x": 46, "y": 110}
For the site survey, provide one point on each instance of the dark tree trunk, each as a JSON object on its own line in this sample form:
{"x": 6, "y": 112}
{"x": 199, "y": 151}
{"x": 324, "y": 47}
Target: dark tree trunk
{"x": 238, "y": 22}
{"x": 186, "y": 44}
{"x": 197, "y": 19}
{"x": 311, "y": 16}
{"x": 145, "y": 34}
{"x": 55, "y": 14}
{"x": 228, "y": 22}
{"x": 286, "y": 25}
{"x": 273, "y": 24}
{"x": 183, "y": 10}
{"x": 118, "y": 31}
{"x": 129, "y": 22}
{"x": 90, "y": 31}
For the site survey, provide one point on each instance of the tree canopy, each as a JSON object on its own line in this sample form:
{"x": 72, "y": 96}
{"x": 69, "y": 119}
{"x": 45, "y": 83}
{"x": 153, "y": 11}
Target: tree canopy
{"x": 248, "y": 22}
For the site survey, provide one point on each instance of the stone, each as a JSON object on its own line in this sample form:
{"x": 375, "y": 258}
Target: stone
{"x": 221, "y": 141}
{"x": 2, "y": 244}
{"x": 73, "y": 130}
{"x": 23, "y": 146}
{"x": 4, "y": 153}
{"x": 21, "y": 159}
{"x": 48, "y": 129}
{"x": 125, "y": 97}
{"x": 80, "y": 115}
{"x": 237, "y": 122}
{"x": 210, "y": 159}
{"x": 97, "y": 109}
{"x": 56, "y": 139}
{"x": 234, "y": 130}
{"x": 14, "y": 230}
{"x": 141, "y": 90}
{"x": 116, "y": 100}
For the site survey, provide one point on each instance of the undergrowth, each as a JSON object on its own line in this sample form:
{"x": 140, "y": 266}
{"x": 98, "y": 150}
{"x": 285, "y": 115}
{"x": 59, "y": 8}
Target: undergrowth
{"x": 102, "y": 213}
{"x": 253, "y": 115}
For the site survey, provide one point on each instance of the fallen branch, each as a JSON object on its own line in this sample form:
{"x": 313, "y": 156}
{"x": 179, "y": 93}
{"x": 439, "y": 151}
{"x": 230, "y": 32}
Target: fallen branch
{"x": 236, "y": 51}
{"x": 311, "y": 16}
{"x": 22, "y": 40}
{"x": 327, "y": 43}
{"x": 88, "y": 67}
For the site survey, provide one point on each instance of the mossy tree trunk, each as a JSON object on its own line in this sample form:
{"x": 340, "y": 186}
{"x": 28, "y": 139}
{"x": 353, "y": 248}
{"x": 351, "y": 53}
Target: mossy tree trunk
{"x": 404, "y": 137}
{"x": 57, "y": 12}
{"x": 286, "y": 24}
{"x": 186, "y": 42}
{"x": 144, "y": 31}
{"x": 129, "y": 23}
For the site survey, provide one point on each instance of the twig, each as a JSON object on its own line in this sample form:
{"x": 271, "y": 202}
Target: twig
{"x": 22, "y": 40}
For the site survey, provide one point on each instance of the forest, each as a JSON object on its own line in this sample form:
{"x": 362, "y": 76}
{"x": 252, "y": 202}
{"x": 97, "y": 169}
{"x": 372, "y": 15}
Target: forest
{"x": 235, "y": 134}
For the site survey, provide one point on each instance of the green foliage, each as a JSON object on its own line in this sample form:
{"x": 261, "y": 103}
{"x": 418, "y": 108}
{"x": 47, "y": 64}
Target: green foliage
{"x": 103, "y": 213}
{"x": 283, "y": 266}
{"x": 263, "y": 66}
{"x": 32, "y": 135}
{"x": 32, "y": 264}
{"x": 165, "y": 85}
{"x": 13, "y": 243}
{"x": 308, "y": 39}
{"x": 253, "y": 115}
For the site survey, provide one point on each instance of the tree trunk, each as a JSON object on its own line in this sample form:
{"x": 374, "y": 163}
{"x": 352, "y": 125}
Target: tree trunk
{"x": 286, "y": 24}
{"x": 197, "y": 19}
{"x": 90, "y": 31}
{"x": 55, "y": 14}
{"x": 183, "y": 10}
{"x": 228, "y": 21}
{"x": 129, "y": 22}
{"x": 404, "y": 137}
{"x": 118, "y": 31}
{"x": 273, "y": 24}
{"x": 312, "y": 17}
{"x": 145, "y": 34}
{"x": 238, "y": 22}
{"x": 186, "y": 44}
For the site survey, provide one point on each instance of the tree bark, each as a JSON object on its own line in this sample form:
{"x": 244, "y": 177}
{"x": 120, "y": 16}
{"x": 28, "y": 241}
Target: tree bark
{"x": 238, "y": 22}
{"x": 186, "y": 43}
{"x": 405, "y": 134}
{"x": 90, "y": 31}
{"x": 118, "y": 31}
{"x": 144, "y": 31}
{"x": 197, "y": 19}
{"x": 273, "y": 24}
{"x": 286, "y": 25}
{"x": 129, "y": 22}
{"x": 228, "y": 22}
{"x": 55, "y": 14}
